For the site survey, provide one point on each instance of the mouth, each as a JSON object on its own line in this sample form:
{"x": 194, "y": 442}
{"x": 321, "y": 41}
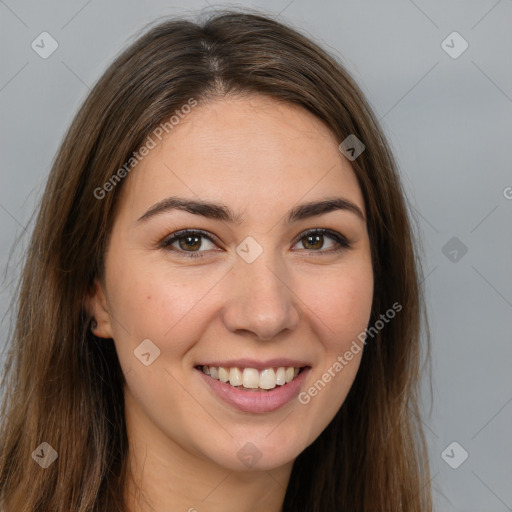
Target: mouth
{"x": 252, "y": 379}
{"x": 254, "y": 386}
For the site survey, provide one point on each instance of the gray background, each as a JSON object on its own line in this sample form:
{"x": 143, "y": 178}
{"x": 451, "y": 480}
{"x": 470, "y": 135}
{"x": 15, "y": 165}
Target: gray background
{"x": 449, "y": 121}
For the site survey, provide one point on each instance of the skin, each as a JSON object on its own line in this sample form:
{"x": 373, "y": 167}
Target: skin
{"x": 260, "y": 158}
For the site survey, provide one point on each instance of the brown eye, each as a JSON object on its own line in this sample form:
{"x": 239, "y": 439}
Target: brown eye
{"x": 314, "y": 240}
{"x": 188, "y": 243}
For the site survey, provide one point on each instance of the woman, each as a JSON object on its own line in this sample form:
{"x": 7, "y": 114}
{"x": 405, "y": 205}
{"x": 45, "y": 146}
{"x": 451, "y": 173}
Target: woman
{"x": 220, "y": 307}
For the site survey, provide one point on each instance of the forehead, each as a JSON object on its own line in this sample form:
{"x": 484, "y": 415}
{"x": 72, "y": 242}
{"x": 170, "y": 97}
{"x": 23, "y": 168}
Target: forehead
{"x": 252, "y": 152}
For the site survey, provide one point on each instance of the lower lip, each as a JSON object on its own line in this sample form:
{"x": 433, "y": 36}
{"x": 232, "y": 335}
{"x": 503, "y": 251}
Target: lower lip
{"x": 257, "y": 401}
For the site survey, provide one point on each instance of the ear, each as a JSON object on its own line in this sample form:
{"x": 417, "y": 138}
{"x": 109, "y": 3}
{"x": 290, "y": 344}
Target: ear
{"x": 97, "y": 308}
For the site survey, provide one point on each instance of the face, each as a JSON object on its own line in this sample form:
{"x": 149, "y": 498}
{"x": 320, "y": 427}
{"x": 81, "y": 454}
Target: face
{"x": 272, "y": 292}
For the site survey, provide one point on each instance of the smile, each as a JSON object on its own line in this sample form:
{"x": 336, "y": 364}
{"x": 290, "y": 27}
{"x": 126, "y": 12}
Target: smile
{"x": 255, "y": 386}
{"x": 252, "y": 379}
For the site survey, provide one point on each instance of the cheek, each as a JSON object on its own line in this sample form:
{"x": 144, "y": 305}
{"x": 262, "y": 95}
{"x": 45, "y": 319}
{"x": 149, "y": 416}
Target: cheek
{"x": 342, "y": 303}
{"x": 157, "y": 302}
{"x": 343, "y": 311}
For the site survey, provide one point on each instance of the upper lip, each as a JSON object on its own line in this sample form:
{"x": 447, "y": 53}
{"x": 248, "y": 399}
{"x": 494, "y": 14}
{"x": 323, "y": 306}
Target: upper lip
{"x": 258, "y": 365}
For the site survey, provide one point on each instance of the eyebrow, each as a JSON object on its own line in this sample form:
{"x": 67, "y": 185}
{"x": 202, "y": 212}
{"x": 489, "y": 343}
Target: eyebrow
{"x": 224, "y": 213}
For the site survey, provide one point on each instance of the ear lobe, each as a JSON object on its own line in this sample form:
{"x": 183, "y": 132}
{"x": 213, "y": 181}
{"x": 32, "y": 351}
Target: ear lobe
{"x": 97, "y": 308}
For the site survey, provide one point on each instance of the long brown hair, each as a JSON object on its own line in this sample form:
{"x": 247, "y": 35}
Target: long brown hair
{"x": 63, "y": 387}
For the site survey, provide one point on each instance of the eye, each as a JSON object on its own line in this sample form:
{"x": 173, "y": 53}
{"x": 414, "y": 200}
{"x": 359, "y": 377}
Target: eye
{"x": 314, "y": 240}
{"x": 189, "y": 242}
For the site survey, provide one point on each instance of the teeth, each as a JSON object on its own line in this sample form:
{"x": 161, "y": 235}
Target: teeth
{"x": 268, "y": 379}
{"x": 223, "y": 374}
{"x": 250, "y": 378}
{"x": 235, "y": 377}
{"x": 281, "y": 376}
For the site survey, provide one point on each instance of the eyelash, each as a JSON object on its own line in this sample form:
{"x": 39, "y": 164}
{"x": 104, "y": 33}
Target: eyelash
{"x": 166, "y": 243}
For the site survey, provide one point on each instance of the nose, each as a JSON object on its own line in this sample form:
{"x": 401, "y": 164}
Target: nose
{"x": 261, "y": 302}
